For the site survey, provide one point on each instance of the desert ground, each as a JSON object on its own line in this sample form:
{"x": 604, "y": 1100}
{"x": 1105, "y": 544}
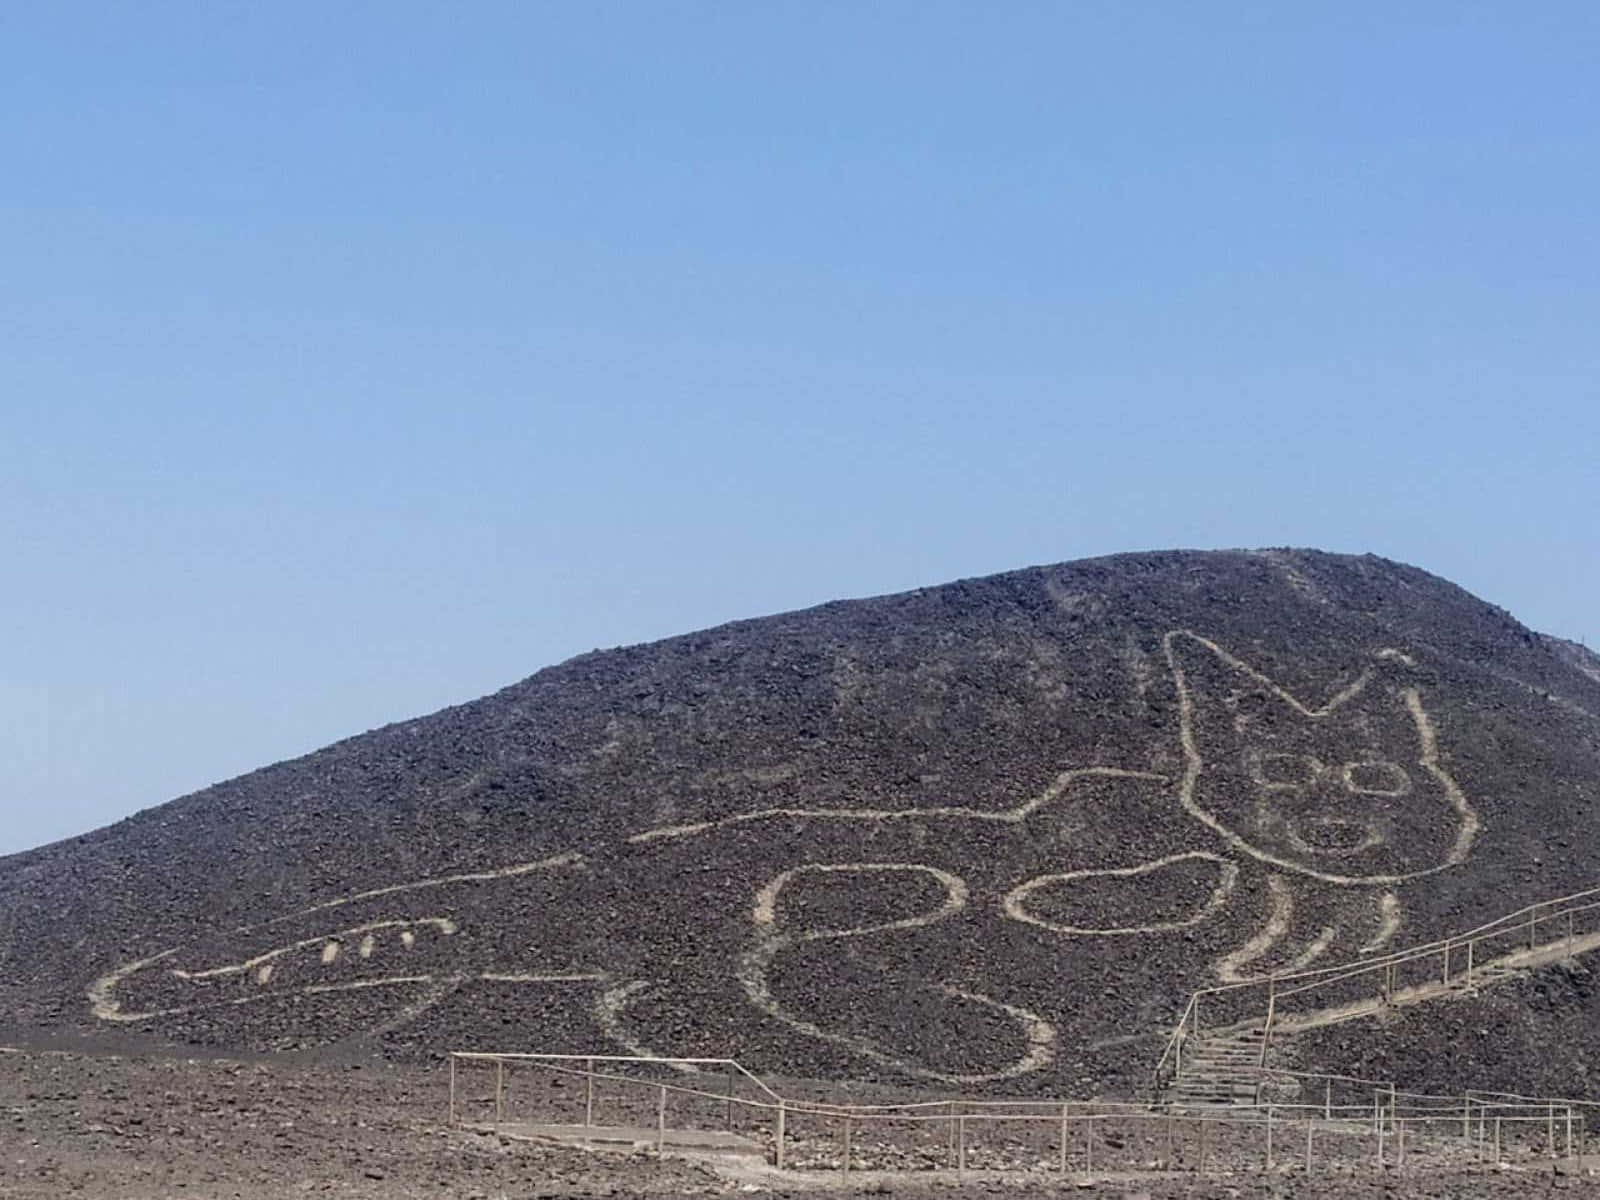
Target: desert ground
{"x": 132, "y": 1126}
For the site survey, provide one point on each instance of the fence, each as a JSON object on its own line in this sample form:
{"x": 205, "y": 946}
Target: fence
{"x": 1350, "y": 1123}
{"x": 1282, "y": 1003}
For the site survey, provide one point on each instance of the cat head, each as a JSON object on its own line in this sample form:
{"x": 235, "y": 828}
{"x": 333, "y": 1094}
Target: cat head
{"x": 1350, "y": 790}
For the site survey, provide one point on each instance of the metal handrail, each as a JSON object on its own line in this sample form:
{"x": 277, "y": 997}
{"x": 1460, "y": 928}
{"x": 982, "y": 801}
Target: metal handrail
{"x": 1527, "y": 917}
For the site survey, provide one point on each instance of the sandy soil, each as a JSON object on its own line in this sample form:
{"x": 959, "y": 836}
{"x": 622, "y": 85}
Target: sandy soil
{"x": 136, "y": 1126}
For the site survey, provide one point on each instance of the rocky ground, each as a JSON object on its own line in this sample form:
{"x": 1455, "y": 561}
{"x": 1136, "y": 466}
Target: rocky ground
{"x": 144, "y": 1125}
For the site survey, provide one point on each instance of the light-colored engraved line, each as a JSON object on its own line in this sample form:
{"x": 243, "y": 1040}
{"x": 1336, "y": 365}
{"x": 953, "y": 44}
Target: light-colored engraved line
{"x": 1315, "y": 950}
{"x": 1469, "y": 824}
{"x": 1016, "y": 899}
{"x": 1280, "y": 909}
{"x": 403, "y": 1016}
{"x": 569, "y": 859}
{"x": 107, "y": 1007}
{"x": 561, "y": 977}
{"x": 359, "y": 985}
{"x": 610, "y": 1013}
{"x": 1010, "y": 816}
{"x": 328, "y": 941}
{"x": 1039, "y": 1036}
{"x": 955, "y": 899}
{"x": 103, "y": 1002}
{"x": 1194, "y": 764}
{"x": 1388, "y": 923}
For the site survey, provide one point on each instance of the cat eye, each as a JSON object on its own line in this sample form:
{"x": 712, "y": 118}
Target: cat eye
{"x": 1286, "y": 770}
{"x": 1377, "y": 778}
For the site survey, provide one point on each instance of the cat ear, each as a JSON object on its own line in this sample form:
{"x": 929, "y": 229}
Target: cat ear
{"x": 1214, "y": 683}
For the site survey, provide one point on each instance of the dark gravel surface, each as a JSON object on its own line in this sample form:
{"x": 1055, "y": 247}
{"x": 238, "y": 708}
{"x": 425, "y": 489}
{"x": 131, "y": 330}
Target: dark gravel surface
{"x": 976, "y": 695}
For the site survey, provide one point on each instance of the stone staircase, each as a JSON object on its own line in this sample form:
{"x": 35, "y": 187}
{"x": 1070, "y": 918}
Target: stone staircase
{"x": 1222, "y": 1069}
{"x": 1225, "y": 1068}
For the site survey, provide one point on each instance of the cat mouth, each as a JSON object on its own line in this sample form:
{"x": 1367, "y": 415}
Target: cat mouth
{"x": 1337, "y": 837}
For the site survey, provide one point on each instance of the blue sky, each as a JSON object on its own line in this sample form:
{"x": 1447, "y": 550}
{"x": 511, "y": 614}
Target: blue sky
{"x": 358, "y": 359}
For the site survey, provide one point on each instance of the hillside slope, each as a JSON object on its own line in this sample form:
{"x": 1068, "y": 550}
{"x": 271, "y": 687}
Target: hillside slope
{"x": 988, "y": 834}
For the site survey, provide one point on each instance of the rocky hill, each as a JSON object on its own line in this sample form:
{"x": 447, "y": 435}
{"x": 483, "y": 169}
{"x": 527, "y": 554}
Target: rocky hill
{"x": 985, "y": 835}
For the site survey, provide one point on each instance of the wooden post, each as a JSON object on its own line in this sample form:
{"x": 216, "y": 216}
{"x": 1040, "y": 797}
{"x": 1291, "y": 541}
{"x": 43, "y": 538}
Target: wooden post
{"x": 1379, "y": 1122}
{"x": 1327, "y": 1101}
{"x": 1088, "y": 1143}
{"x": 1392, "y": 1107}
{"x": 1064, "y": 1138}
{"x": 452, "y": 1091}
{"x": 1531, "y": 919}
{"x": 1569, "y": 1131}
{"x": 1550, "y": 1129}
{"x": 661, "y": 1123}
{"x": 950, "y": 1109}
{"x": 1497, "y": 1141}
{"x": 1569, "y": 936}
{"x": 499, "y": 1092}
{"x": 847, "y": 1145}
{"x": 1469, "y": 964}
{"x": 778, "y": 1135}
{"x": 1444, "y": 975}
{"x": 961, "y": 1144}
{"x": 1202, "y": 1145}
{"x": 588, "y": 1095}
{"x": 732, "y": 1083}
{"x": 1172, "y": 1157}
{"x": 1311, "y": 1122}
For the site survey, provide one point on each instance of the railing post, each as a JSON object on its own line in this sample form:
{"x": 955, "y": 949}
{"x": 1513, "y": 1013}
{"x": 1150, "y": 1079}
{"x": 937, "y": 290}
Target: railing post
{"x": 1466, "y": 1120}
{"x": 731, "y": 1085}
{"x": 778, "y": 1134}
{"x": 1327, "y": 1101}
{"x": 1172, "y": 1155}
{"x": 1392, "y": 1105}
{"x": 1400, "y": 1145}
{"x": 1202, "y": 1145}
{"x": 1269, "y": 1137}
{"x": 1497, "y": 1141}
{"x": 588, "y": 1095}
{"x": 950, "y": 1111}
{"x": 1569, "y": 935}
{"x": 452, "y": 1091}
{"x": 961, "y": 1144}
{"x": 1469, "y": 964}
{"x": 1569, "y": 1131}
{"x": 661, "y": 1123}
{"x": 847, "y": 1145}
{"x": 1532, "y": 916}
{"x": 1311, "y": 1123}
{"x": 1550, "y": 1129}
{"x": 499, "y": 1092}
{"x": 1088, "y": 1143}
{"x": 1444, "y": 974}
{"x": 1380, "y": 1137}
{"x": 1064, "y": 1138}
{"x": 1272, "y": 1005}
